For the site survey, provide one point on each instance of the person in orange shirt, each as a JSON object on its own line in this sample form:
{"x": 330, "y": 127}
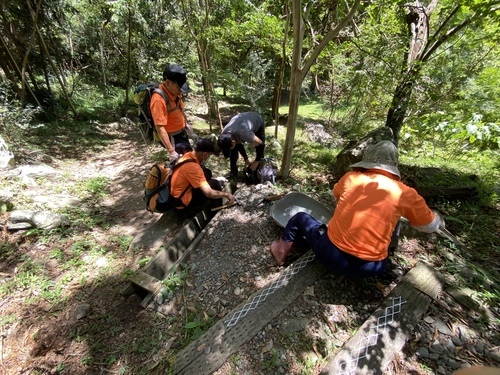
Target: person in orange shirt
{"x": 192, "y": 185}
{"x": 167, "y": 112}
{"x": 370, "y": 201}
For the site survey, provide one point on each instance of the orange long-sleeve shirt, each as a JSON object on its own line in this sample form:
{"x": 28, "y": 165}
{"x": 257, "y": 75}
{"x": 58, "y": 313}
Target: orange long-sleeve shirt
{"x": 369, "y": 205}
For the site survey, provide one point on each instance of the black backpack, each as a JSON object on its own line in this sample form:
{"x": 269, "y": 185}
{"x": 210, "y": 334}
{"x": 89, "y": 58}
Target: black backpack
{"x": 157, "y": 187}
{"x": 266, "y": 171}
{"x": 142, "y": 97}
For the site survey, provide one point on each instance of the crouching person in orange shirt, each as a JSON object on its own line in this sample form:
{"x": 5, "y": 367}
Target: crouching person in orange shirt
{"x": 193, "y": 184}
{"x": 370, "y": 201}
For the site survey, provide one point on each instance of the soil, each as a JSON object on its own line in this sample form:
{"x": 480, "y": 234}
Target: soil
{"x": 93, "y": 329}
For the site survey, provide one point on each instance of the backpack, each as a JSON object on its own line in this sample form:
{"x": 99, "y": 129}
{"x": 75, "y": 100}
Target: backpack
{"x": 266, "y": 171}
{"x": 157, "y": 187}
{"x": 142, "y": 97}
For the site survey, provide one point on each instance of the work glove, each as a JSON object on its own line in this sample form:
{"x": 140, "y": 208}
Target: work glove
{"x": 442, "y": 224}
{"x": 173, "y": 156}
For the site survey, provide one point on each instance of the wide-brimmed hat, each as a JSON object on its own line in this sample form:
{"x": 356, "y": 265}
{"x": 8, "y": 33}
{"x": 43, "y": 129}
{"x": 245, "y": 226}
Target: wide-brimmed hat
{"x": 177, "y": 74}
{"x": 206, "y": 145}
{"x": 382, "y": 155}
{"x": 225, "y": 141}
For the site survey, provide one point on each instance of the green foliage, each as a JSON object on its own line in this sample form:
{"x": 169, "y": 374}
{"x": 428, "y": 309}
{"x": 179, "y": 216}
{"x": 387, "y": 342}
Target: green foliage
{"x": 93, "y": 189}
{"x": 197, "y": 324}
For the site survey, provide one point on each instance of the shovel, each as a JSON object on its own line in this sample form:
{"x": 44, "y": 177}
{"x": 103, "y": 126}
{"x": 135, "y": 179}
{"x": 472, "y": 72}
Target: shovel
{"x": 227, "y": 205}
{"x": 446, "y": 234}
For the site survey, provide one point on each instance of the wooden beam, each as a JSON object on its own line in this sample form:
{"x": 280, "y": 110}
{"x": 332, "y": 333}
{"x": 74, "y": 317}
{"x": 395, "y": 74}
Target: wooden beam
{"x": 146, "y": 281}
{"x": 209, "y": 352}
{"x": 370, "y": 354}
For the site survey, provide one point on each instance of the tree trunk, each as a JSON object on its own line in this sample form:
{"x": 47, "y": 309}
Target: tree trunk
{"x": 46, "y": 52}
{"x": 279, "y": 76}
{"x": 129, "y": 58}
{"x": 295, "y": 85}
{"x": 204, "y": 57}
{"x": 417, "y": 19}
{"x": 299, "y": 73}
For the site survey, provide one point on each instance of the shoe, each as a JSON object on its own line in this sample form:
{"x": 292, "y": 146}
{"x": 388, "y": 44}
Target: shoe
{"x": 280, "y": 250}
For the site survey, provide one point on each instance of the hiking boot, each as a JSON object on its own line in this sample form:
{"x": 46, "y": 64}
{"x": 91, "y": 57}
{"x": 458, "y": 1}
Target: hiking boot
{"x": 280, "y": 250}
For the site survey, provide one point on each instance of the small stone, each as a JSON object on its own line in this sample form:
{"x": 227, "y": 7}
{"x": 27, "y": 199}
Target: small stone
{"x": 443, "y": 328}
{"x": 237, "y": 291}
{"x": 159, "y": 298}
{"x": 456, "y": 341}
{"x": 437, "y": 347}
{"x": 455, "y": 365}
{"x": 429, "y": 320}
{"x": 422, "y": 352}
{"x": 441, "y": 370}
{"x": 450, "y": 346}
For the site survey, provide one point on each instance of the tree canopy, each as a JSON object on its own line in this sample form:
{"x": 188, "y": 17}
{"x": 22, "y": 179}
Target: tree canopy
{"x": 425, "y": 69}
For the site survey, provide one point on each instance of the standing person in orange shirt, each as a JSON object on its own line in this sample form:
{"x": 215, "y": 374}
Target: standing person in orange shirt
{"x": 167, "y": 112}
{"x": 370, "y": 201}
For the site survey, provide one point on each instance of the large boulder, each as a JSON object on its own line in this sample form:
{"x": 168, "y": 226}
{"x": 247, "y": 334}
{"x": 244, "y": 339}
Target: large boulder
{"x": 26, "y": 219}
{"x": 354, "y": 150}
{"x": 317, "y": 134}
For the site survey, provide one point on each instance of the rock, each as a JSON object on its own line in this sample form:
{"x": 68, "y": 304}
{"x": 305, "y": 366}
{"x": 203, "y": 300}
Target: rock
{"x": 443, "y": 328}
{"x": 353, "y": 151}
{"x": 6, "y": 199}
{"x": 422, "y": 352}
{"x": 317, "y": 134}
{"x": 24, "y": 219}
{"x": 81, "y": 311}
{"x": 6, "y": 156}
{"x": 38, "y": 170}
{"x": 56, "y": 201}
{"x": 295, "y": 325}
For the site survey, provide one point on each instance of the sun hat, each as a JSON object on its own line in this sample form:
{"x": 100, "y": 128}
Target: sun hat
{"x": 382, "y": 155}
{"x": 205, "y": 145}
{"x": 177, "y": 74}
{"x": 225, "y": 142}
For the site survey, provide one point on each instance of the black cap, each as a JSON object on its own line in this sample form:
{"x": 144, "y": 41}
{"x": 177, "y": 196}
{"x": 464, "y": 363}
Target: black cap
{"x": 205, "y": 145}
{"x": 225, "y": 142}
{"x": 177, "y": 74}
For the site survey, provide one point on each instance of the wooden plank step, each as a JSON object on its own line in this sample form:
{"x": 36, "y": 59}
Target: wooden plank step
{"x": 146, "y": 281}
{"x": 209, "y": 352}
{"x": 387, "y": 330}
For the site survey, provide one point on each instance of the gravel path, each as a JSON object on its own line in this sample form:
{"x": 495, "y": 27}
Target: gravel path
{"x": 233, "y": 261}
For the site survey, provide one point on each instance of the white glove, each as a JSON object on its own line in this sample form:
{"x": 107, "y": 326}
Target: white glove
{"x": 173, "y": 156}
{"x": 442, "y": 224}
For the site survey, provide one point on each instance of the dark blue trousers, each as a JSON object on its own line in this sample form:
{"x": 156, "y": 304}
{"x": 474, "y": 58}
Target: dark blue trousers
{"x": 334, "y": 259}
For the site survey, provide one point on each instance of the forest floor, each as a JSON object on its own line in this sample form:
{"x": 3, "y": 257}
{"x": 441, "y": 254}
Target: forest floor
{"x": 75, "y": 321}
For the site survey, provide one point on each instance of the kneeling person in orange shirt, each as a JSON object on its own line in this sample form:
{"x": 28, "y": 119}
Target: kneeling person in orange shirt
{"x": 190, "y": 181}
{"x": 370, "y": 201}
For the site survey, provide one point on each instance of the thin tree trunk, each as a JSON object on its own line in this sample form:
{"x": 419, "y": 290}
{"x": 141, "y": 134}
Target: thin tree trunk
{"x": 417, "y": 19}
{"x": 17, "y": 70}
{"x": 129, "y": 58}
{"x": 299, "y": 73}
{"x": 27, "y": 53}
{"x": 281, "y": 72}
{"x": 295, "y": 84}
{"x": 56, "y": 71}
{"x": 101, "y": 56}
{"x": 204, "y": 58}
